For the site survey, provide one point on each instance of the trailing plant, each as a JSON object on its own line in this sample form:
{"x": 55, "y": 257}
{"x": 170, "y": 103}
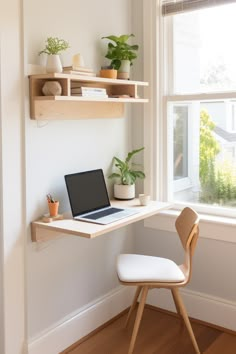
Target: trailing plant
{"x": 120, "y": 50}
{"x": 54, "y": 45}
{"x": 127, "y": 173}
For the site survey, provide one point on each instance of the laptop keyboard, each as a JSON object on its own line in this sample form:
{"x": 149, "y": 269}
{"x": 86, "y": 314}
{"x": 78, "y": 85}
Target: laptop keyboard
{"x": 102, "y": 213}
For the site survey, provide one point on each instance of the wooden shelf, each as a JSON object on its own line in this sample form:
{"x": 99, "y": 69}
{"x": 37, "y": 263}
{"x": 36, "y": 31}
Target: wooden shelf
{"x": 67, "y": 106}
{"x": 42, "y": 232}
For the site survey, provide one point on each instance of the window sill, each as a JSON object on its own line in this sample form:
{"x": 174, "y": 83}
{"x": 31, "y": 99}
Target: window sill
{"x": 211, "y": 227}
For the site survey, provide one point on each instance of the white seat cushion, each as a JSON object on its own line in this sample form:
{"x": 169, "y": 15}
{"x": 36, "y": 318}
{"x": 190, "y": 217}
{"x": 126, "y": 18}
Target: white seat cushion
{"x": 140, "y": 268}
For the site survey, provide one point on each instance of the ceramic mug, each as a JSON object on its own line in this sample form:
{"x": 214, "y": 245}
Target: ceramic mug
{"x": 144, "y": 199}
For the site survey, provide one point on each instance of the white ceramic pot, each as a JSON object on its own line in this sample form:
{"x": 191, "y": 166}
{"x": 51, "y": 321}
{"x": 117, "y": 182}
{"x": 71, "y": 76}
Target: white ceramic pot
{"x": 53, "y": 64}
{"x": 124, "y": 70}
{"x": 124, "y": 191}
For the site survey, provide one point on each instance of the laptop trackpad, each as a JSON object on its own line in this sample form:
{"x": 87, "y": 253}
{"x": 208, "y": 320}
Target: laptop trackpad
{"x": 100, "y": 214}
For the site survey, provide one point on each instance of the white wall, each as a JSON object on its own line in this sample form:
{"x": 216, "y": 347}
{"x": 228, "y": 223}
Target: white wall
{"x": 66, "y": 275}
{"x": 12, "y": 323}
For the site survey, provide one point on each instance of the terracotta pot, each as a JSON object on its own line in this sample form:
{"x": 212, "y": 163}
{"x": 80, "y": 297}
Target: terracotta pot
{"x": 124, "y": 191}
{"x": 108, "y": 73}
{"x": 53, "y": 208}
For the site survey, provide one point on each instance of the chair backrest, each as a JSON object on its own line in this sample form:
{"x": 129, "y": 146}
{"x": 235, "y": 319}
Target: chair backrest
{"x": 187, "y": 226}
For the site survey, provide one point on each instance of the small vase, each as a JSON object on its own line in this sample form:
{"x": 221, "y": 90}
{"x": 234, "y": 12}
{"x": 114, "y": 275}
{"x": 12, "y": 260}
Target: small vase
{"x": 53, "y": 64}
{"x": 124, "y": 70}
{"x": 124, "y": 191}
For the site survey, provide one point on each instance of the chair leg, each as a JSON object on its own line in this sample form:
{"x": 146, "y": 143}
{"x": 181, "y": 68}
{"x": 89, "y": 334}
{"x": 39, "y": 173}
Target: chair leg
{"x": 177, "y": 306}
{"x": 134, "y": 303}
{"x": 183, "y": 312}
{"x": 138, "y": 318}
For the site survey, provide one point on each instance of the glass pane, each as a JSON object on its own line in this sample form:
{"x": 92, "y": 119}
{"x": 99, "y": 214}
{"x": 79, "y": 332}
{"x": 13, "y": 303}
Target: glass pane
{"x": 203, "y": 50}
{"x": 180, "y": 152}
{"x": 208, "y": 157}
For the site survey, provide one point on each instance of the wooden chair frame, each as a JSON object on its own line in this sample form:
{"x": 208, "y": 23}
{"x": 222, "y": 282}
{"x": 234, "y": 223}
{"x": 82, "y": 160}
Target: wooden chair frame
{"x": 187, "y": 226}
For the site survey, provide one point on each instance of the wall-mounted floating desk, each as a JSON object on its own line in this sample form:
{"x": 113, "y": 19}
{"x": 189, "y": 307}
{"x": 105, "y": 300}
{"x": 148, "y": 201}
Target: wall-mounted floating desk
{"x": 42, "y": 232}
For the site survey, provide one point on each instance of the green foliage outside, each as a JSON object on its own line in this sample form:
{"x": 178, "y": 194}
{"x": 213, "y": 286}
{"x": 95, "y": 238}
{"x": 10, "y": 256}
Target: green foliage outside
{"x": 218, "y": 180}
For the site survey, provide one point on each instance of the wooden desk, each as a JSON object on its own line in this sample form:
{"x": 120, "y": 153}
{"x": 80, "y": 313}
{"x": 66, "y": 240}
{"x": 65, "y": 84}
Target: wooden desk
{"x": 47, "y": 231}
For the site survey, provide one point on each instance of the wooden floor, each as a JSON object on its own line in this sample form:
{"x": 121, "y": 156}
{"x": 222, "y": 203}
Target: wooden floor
{"x": 159, "y": 333}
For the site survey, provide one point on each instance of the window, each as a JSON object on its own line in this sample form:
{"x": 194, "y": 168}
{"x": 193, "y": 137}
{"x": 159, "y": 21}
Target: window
{"x": 200, "y": 99}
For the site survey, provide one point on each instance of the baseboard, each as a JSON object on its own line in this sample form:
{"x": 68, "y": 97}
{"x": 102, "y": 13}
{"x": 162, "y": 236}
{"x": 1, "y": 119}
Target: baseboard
{"x": 213, "y": 310}
{"x": 63, "y": 335}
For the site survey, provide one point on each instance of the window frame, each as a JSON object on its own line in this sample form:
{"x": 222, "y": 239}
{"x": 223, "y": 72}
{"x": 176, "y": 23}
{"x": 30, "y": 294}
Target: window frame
{"x": 217, "y": 227}
{"x": 187, "y": 99}
{"x": 155, "y": 112}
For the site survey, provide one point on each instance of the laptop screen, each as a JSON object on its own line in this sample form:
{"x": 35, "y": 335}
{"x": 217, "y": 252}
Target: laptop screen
{"x": 87, "y": 191}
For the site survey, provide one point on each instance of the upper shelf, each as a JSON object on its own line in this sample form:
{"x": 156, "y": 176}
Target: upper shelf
{"x": 68, "y": 106}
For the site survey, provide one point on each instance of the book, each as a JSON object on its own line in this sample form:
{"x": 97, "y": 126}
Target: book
{"x": 91, "y": 95}
{"x": 77, "y": 68}
{"x": 82, "y": 73}
{"x": 83, "y": 89}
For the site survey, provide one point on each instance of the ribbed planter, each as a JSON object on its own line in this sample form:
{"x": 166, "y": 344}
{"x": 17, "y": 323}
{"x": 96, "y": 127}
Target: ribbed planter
{"x": 124, "y": 70}
{"x": 124, "y": 191}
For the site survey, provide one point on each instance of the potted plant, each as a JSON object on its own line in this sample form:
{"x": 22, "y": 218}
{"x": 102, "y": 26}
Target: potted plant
{"x": 121, "y": 54}
{"x": 126, "y": 175}
{"x": 54, "y": 46}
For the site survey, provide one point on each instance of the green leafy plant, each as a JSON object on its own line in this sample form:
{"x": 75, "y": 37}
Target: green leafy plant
{"x": 127, "y": 173}
{"x": 120, "y": 50}
{"x": 54, "y": 45}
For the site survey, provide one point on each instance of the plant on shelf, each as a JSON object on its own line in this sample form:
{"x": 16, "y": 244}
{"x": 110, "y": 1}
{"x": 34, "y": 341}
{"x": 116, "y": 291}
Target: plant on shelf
{"x": 121, "y": 53}
{"x": 127, "y": 176}
{"x": 54, "y": 46}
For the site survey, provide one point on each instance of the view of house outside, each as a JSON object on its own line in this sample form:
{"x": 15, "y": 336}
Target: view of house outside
{"x": 204, "y": 131}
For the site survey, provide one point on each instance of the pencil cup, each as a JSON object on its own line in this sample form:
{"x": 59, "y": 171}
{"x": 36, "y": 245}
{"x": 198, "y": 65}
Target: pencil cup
{"x": 53, "y": 208}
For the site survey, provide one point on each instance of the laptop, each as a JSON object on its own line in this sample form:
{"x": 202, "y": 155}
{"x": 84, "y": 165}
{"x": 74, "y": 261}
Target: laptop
{"x": 89, "y": 199}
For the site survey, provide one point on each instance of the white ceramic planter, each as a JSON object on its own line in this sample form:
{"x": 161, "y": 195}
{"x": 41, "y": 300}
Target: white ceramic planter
{"x": 53, "y": 64}
{"x": 124, "y": 70}
{"x": 124, "y": 192}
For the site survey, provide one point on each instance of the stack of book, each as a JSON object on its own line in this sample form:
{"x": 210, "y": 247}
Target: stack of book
{"x": 83, "y": 91}
{"x": 80, "y": 70}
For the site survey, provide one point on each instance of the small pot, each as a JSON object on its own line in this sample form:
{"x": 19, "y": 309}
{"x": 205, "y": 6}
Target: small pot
{"x": 124, "y": 191}
{"x": 53, "y": 64}
{"x": 108, "y": 73}
{"x": 53, "y": 208}
{"x": 124, "y": 70}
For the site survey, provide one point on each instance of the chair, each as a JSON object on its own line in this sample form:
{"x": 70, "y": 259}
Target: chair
{"x": 147, "y": 272}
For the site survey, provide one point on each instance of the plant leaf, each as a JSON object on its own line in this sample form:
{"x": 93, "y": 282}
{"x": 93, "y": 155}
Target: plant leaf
{"x": 132, "y": 153}
{"x": 114, "y": 175}
{"x": 138, "y": 174}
